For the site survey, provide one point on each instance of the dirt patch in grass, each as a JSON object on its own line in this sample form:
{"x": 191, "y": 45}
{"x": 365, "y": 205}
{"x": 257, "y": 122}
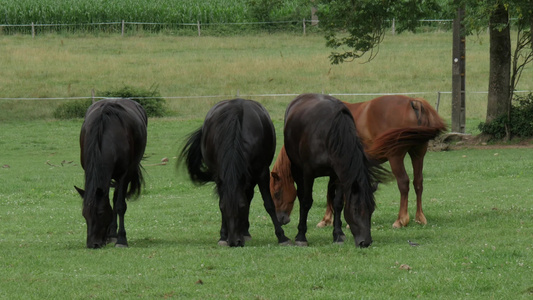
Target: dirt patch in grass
{"x": 454, "y": 141}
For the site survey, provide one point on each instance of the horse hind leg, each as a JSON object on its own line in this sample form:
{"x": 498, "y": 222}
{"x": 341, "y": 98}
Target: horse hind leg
{"x": 402, "y": 179}
{"x": 417, "y": 159}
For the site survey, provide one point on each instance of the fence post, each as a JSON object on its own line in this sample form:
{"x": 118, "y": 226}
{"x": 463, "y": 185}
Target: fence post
{"x": 92, "y": 96}
{"x": 393, "y": 26}
{"x": 122, "y": 27}
{"x": 304, "y": 25}
{"x": 32, "y": 30}
{"x": 438, "y": 102}
{"x": 199, "y": 31}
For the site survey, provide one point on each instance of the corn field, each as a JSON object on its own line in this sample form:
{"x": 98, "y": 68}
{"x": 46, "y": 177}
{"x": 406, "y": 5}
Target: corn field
{"x": 160, "y": 13}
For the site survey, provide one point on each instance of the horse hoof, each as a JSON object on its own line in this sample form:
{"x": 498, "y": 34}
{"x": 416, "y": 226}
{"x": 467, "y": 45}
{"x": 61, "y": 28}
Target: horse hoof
{"x": 112, "y": 240}
{"x": 286, "y": 243}
{"x": 121, "y": 245}
{"x": 399, "y": 224}
{"x": 247, "y": 238}
{"x": 301, "y": 244}
{"x": 339, "y": 243}
{"x": 223, "y": 243}
{"x": 321, "y": 224}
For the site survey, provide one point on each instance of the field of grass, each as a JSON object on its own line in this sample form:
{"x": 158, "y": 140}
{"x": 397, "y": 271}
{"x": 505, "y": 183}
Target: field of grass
{"x": 71, "y": 66}
{"x": 478, "y": 243}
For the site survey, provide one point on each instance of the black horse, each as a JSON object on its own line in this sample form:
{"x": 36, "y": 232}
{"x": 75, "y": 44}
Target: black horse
{"x": 234, "y": 148}
{"x": 112, "y": 142}
{"x": 321, "y": 140}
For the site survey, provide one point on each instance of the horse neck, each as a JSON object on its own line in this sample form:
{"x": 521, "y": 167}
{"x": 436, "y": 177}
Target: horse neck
{"x": 282, "y": 167}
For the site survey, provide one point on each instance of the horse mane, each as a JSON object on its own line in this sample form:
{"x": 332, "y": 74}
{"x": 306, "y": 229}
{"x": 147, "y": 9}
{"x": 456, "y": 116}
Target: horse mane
{"x": 97, "y": 181}
{"x": 353, "y": 165}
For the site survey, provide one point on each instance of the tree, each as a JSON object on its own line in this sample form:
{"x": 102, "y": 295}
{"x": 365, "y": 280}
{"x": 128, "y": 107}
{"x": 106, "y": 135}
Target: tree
{"x": 360, "y": 25}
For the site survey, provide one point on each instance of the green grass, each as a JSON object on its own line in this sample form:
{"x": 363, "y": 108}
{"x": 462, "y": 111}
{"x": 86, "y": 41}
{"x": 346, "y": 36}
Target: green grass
{"x": 72, "y": 65}
{"x": 477, "y": 244}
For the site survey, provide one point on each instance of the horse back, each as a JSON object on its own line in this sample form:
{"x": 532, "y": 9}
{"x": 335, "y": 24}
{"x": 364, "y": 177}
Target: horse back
{"x": 377, "y": 116}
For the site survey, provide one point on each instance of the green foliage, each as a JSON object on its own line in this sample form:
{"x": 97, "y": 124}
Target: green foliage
{"x": 171, "y": 13}
{"x": 520, "y": 123}
{"x": 150, "y": 99}
{"x": 360, "y": 25}
{"x": 72, "y": 109}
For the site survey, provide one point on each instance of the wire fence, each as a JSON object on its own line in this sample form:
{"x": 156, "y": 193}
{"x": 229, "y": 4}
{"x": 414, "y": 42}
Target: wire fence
{"x": 125, "y": 27}
{"x": 427, "y": 95}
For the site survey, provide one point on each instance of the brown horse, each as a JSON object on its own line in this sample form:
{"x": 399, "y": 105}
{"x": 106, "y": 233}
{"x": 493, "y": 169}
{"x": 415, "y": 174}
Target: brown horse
{"x": 389, "y": 127}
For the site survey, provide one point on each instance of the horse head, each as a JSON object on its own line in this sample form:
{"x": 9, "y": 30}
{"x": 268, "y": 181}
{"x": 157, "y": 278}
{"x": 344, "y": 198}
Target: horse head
{"x": 284, "y": 194}
{"x": 235, "y": 210}
{"x": 358, "y": 214}
{"x": 98, "y": 215}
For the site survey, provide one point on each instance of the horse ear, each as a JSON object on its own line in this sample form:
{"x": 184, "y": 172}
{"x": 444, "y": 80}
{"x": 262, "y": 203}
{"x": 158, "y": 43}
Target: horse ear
{"x": 80, "y": 191}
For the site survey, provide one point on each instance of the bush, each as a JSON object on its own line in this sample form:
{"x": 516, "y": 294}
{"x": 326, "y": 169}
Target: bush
{"x": 72, "y": 109}
{"x": 150, "y": 99}
{"x": 520, "y": 123}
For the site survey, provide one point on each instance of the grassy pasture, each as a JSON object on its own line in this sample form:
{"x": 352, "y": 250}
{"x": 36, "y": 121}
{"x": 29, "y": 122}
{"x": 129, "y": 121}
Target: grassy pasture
{"x": 70, "y": 66}
{"x": 477, "y": 244}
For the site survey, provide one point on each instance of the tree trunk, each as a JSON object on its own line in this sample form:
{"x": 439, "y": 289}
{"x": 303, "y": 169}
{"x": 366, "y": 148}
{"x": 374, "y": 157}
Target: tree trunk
{"x": 500, "y": 65}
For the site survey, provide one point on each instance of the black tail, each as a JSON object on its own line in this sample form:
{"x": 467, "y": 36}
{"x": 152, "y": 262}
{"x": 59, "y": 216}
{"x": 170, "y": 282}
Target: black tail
{"x": 192, "y": 153}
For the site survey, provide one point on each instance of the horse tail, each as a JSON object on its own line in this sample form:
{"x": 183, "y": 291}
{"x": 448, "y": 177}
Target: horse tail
{"x": 192, "y": 153}
{"x": 233, "y": 166}
{"x": 399, "y": 139}
{"x": 353, "y": 165}
{"x": 136, "y": 182}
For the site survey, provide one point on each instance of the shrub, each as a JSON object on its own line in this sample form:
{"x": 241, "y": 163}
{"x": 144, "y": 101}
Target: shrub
{"x": 520, "y": 123}
{"x": 150, "y": 99}
{"x": 72, "y": 109}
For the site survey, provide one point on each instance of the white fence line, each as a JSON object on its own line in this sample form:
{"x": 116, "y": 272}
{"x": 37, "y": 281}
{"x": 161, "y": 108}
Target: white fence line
{"x": 251, "y": 95}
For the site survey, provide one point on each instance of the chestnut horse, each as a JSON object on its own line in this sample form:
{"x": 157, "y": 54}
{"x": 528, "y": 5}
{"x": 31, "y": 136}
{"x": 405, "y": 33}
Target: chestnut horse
{"x": 389, "y": 127}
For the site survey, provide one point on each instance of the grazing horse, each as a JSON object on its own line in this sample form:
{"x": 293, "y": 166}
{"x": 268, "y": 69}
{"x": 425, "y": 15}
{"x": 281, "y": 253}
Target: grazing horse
{"x": 112, "y": 142}
{"x": 390, "y": 127}
{"x": 321, "y": 140}
{"x": 234, "y": 148}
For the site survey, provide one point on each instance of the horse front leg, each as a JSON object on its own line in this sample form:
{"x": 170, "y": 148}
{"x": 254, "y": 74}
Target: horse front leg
{"x": 268, "y": 203}
{"x": 112, "y": 231}
{"x": 223, "y": 241}
{"x": 305, "y": 196}
{"x": 335, "y": 192}
{"x": 119, "y": 211}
